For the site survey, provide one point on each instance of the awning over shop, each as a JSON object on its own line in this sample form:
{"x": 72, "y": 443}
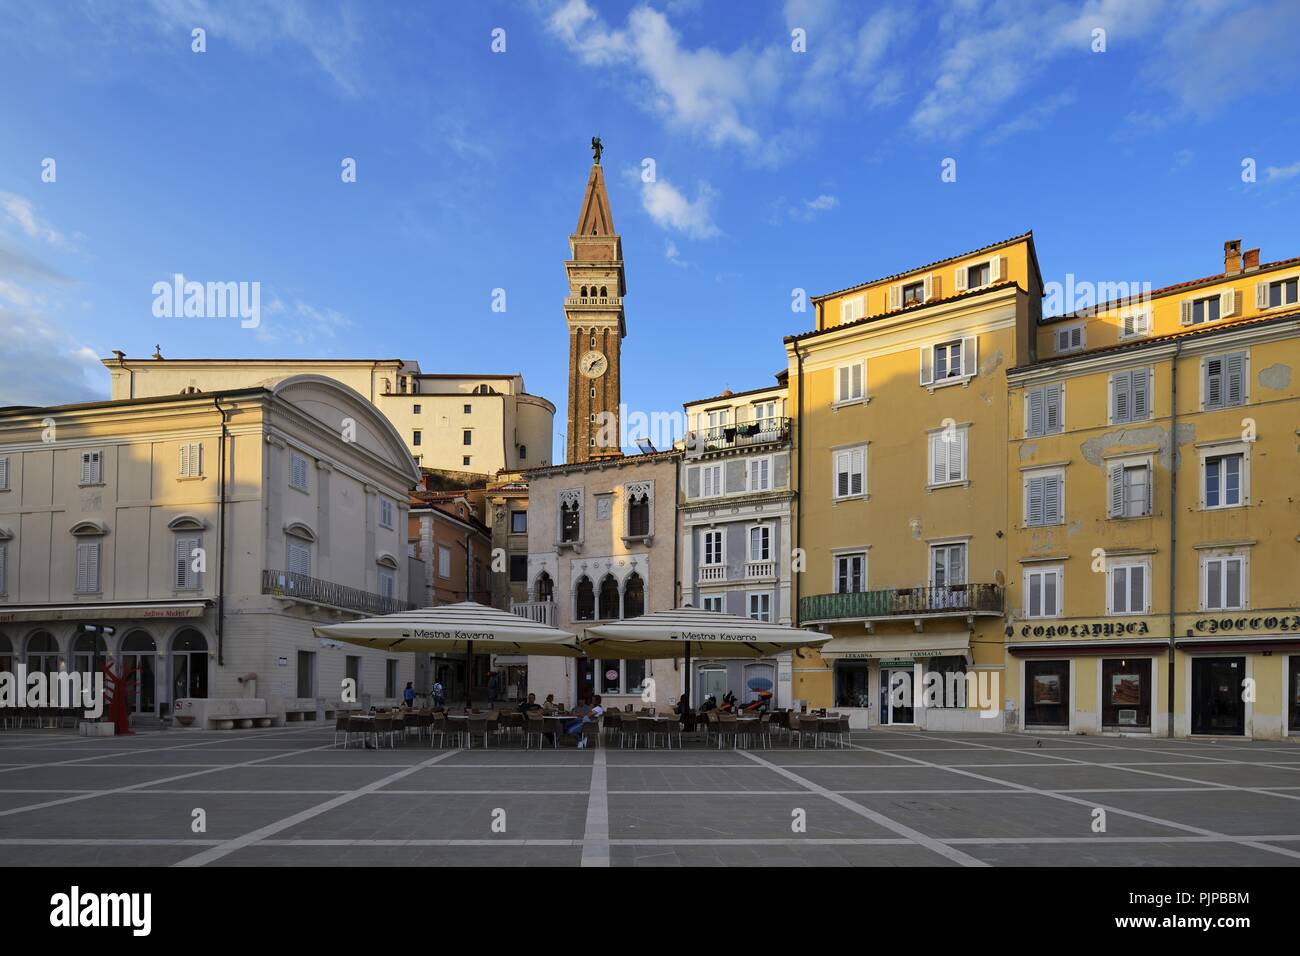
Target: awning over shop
{"x": 102, "y": 612}
{"x": 1279, "y": 643}
{"x": 870, "y": 647}
{"x": 1141, "y": 648}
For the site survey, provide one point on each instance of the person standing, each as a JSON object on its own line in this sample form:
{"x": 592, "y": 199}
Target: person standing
{"x": 439, "y": 694}
{"x": 408, "y": 695}
{"x": 493, "y": 686}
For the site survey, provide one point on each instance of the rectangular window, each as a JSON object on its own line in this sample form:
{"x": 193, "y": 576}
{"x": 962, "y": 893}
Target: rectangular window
{"x": 518, "y": 568}
{"x": 1043, "y": 499}
{"x": 298, "y": 471}
{"x": 1135, "y": 325}
{"x": 1130, "y": 396}
{"x": 187, "y": 577}
{"x": 760, "y": 474}
{"x": 1043, "y": 410}
{"x": 1043, "y": 592}
{"x": 469, "y": 409}
{"x": 415, "y": 409}
{"x": 849, "y": 383}
{"x": 1282, "y": 292}
{"x": 1127, "y": 591}
{"x": 385, "y": 513}
{"x": 853, "y": 309}
{"x": 1069, "y": 340}
{"x": 4, "y": 567}
{"x": 978, "y": 275}
{"x": 306, "y": 674}
{"x": 444, "y": 561}
{"x": 1223, "y": 583}
{"x": 519, "y": 522}
{"x": 947, "y": 456}
{"x": 465, "y": 460}
{"x": 387, "y": 583}
{"x": 390, "y": 679}
{"x": 1207, "y": 309}
{"x": 712, "y": 481}
{"x": 190, "y": 460}
{"x": 92, "y": 468}
{"x": 947, "y": 565}
{"x": 712, "y": 602}
{"x": 850, "y": 573}
{"x": 1223, "y": 383}
{"x": 713, "y": 547}
{"x": 87, "y": 567}
{"x": 764, "y": 415}
{"x": 467, "y": 437}
{"x": 417, "y": 438}
{"x": 760, "y": 543}
{"x": 352, "y": 671}
{"x": 913, "y": 293}
{"x": 1223, "y": 475}
{"x": 760, "y": 607}
{"x": 948, "y": 361}
{"x": 850, "y": 472}
{"x": 298, "y": 557}
{"x": 1130, "y": 490}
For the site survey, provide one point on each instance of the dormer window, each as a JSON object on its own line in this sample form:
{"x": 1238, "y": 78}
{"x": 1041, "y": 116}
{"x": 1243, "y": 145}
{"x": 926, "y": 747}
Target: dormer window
{"x": 913, "y": 294}
{"x": 978, "y": 275}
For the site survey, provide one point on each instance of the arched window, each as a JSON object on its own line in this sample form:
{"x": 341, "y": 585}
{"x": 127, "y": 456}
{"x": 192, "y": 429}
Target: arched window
{"x": 6, "y": 654}
{"x": 608, "y": 599}
{"x": 89, "y": 653}
{"x": 139, "y": 652}
{"x": 585, "y": 604}
{"x": 604, "y": 292}
{"x": 570, "y": 521}
{"x": 638, "y": 514}
{"x": 42, "y": 653}
{"x": 189, "y": 665}
{"x": 633, "y": 596}
{"x": 583, "y": 291}
{"x": 544, "y": 588}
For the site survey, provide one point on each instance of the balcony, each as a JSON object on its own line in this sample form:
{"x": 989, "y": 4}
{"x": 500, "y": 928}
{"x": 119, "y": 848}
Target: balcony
{"x": 286, "y": 584}
{"x": 713, "y": 572}
{"x": 765, "y": 431}
{"x": 543, "y": 612}
{"x": 594, "y": 301}
{"x": 760, "y": 569}
{"x": 958, "y": 600}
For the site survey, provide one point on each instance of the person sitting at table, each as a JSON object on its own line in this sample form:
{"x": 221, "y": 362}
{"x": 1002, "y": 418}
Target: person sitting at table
{"x": 710, "y": 703}
{"x": 530, "y": 706}
{"x": 590, "y": 716}
{"x": 548, "y": 705}
{"x": 729, "y": 703}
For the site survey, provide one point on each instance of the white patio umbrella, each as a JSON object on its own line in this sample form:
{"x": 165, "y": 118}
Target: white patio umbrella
{"x": 450, "y": 628}
{"x": 687, "y": 631}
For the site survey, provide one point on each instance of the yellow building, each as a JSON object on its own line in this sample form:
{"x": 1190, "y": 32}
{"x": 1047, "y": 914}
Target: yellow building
{"x": 898, "y": 399}
{"x": 1154, "y": 512}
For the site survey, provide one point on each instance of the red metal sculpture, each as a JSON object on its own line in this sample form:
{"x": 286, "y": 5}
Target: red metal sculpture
{"x": 117, "y": 690}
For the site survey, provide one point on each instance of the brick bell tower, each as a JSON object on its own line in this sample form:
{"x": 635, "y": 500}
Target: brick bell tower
{"x": 593, "y": 310}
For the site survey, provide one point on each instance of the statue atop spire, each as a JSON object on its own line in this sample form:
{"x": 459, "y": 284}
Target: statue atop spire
{"x": 596, "y": 149}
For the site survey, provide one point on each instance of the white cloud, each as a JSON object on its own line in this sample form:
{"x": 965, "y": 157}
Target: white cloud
{"x": 1031, "y": 119}
{"x": 23, "y": 212}
{"x": 298, "y": 322}
{"x": 673, "y": 255}
{"x": 41, "y": 364}
{"x": 670, "y": 209}
{"x": 1274, "y": 174}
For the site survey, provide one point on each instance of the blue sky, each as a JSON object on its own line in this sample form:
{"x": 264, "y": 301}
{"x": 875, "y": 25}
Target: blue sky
{"x": 775, "y": 169}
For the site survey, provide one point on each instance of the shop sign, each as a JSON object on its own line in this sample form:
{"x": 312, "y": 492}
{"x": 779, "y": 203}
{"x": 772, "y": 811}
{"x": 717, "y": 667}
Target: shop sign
{"x": 1094, "y": 629}
{"x": 1215, "y": 625}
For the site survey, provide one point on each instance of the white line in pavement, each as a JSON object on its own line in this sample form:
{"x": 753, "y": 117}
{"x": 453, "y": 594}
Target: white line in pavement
{"x": 261, "y": 833}
{"x": 1158, "y": 821}
{"x": 916, "y": 836}
{"x": 595, "y": 836}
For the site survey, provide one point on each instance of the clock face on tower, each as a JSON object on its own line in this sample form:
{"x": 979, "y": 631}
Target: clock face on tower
{"x": 593, "y": 364}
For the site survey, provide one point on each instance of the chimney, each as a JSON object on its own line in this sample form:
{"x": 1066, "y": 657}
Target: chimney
{"x": 1232, "y": 257}
{"x": 1250, "y": 260}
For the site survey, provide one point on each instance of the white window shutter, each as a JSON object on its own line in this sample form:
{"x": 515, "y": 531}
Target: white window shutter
{"x": 959, "y": 279}
{"x": 969, "y": 355}
{"x": 929, "y": 288}
{"x": 842, "y": 383}
{"x": 1227, "y": 303}
{"x": 1261, "y": 295}
{"x": 927, "y": 365}
{"x": 859, "y": 380}
{"x": 859, "y": 467}
{"x": 1185, "y": 312}
{"x": 938, "y": 459}
{"x": 997, "y": 270}
{"x": 1036, "y": 397}
{"x": 895, "y": 297}
{"x": 1116, "y": 490}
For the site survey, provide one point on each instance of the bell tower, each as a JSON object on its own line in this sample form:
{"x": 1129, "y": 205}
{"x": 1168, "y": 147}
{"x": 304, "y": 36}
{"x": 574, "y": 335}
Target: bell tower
{"x": 593, "y": 311}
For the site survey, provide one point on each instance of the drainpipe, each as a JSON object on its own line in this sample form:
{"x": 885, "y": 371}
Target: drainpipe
{"x": 221, "y": 536}
{"x": 1173, "y": 523}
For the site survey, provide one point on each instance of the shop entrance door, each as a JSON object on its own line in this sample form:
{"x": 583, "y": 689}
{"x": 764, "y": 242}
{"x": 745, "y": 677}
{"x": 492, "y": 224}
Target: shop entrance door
{"x": 896, "y": 695}
{"x": 1217, "y": 707}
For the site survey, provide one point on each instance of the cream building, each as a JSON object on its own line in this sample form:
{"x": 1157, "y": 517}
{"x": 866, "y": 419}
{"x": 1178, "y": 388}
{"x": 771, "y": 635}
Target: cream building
{"x": 212, "y": 531}
{"x": 601, "y": 537}
{"x": 469, "y": 423}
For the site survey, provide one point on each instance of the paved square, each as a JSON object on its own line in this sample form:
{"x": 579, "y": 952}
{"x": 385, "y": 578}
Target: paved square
{"x": 289, "y": 797}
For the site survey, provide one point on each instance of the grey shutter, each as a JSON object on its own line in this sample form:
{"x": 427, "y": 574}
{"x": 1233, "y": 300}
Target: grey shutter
{"x": 4, "y": 555}
{"x": 1213, "y": 382}
{"x": 1052, "y": 422}
{"x": 1037, "y": 401}
{"x": 780, "y": 470}
{"x": 927, "y": 366}
{"x": 1141, "y": 407}
{"x": 1119, "y": 397}
{"x": 4, "y": 472}
{"x": 735, "y": 475}
{"x": 693, "y": 482}
{"x": 843, "y": 388}
{"x": 1234, "y": 376}
{"x": 969, "y": 355}
{"x": 1116, "y": 490}
{"x": 88, "y": 567}
{"x": 1052, "y": 500}
{"x": 1034, "y": 501}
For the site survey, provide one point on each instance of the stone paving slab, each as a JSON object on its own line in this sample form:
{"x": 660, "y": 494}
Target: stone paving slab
{"x": 505, "y": 854}
{"x": 398, "y": 816}
{"x": 686, "y": 816}
{"x": 1238, "y": 813}
{"x": 760, "y": 857}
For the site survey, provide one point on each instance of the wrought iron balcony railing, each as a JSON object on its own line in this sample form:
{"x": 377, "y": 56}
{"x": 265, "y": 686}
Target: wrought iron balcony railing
{"x": 765, "y": 431}
{"x": 288, "y": 584}
{"x": 954, "y": 600}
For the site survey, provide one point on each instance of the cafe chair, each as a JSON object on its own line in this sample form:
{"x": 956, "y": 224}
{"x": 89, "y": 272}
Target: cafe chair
{"x": 476, "y": 727}
{"x": 591, "y": 731}
{"x": 341, "y": 727}
{"x": 534, "y": 727}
